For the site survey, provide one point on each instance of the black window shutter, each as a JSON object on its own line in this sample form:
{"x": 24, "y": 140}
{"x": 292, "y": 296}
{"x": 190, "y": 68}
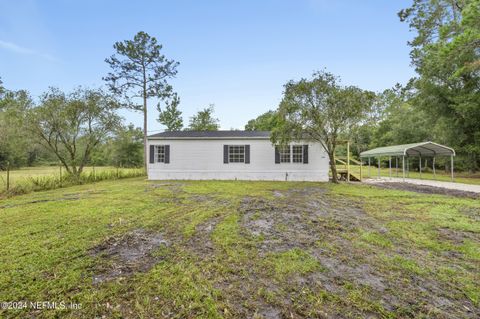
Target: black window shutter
{"x": 167, "y": 154}
{"x": 305, "y": 154}
{"x": 225, "y": 154}
{"x": 152, "y": 154}
{"x": 277, "y": 155}
{"x": 247, "y": 154}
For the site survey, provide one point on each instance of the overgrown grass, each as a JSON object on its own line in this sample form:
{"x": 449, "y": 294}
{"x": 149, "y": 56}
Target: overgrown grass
{"x": 31, "y": 181}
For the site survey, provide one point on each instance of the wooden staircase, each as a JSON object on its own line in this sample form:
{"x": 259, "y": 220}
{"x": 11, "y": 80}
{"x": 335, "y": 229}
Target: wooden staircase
{"x": 344, "y": 172}
{"x": 344, "y": 175}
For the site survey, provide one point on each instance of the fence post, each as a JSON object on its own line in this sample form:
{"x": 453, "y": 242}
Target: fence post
{"x": 60, "y": 174}
{"x": 8, "y": 176}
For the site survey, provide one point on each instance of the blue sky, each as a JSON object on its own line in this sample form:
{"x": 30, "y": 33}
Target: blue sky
{"x": 234, "y": 54}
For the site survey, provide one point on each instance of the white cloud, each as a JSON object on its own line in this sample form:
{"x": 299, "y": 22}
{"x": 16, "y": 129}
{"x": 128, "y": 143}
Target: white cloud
{"x": 25, "y": 51}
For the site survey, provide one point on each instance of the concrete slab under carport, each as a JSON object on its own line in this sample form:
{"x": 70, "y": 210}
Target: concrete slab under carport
{"x": 432, "y": 183}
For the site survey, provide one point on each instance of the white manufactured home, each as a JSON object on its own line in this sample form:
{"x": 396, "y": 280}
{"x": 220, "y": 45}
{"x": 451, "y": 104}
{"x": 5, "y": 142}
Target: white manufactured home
{"x": 230, "y": 155}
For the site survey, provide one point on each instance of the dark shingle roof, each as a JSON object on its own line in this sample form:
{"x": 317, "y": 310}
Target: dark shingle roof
{"x": 211, "y": 134}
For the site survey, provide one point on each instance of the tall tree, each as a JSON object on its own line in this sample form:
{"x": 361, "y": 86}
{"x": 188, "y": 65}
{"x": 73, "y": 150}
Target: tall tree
{"x": 72, "y": 125}
{"x": 16, "y": 146}
{"x": 400, "y": 122}
{"x": 204, "y": 120}
{"x": 320, "y": 109}
{"x": 171, "y": 116}
{"x": 446, "y": 55}
{"x": 140, "y": 70}
{"x": 264, "y": 122}
{"x": 127, "y": 147}
{"x": 122, "y": 148}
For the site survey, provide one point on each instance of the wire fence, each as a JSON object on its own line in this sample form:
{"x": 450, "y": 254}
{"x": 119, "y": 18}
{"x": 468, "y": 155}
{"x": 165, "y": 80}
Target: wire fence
{"x": 43, "y": 178}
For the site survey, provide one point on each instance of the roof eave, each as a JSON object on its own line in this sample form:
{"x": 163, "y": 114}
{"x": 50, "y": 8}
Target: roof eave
{"x": 207, "y": 138}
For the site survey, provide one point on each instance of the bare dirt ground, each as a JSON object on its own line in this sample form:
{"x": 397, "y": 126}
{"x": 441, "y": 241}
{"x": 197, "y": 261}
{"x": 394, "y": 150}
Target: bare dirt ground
{"x": 424, "y": 189}
{"x": 328, "y": 228}
{"x": 123, "y": 256}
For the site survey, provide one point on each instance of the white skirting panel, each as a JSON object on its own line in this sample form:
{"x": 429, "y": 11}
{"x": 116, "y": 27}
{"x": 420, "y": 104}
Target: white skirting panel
{"x": 304, "y": 175}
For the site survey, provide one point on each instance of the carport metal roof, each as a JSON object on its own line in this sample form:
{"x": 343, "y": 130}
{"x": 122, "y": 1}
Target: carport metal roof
{"x": 423, "y": 149}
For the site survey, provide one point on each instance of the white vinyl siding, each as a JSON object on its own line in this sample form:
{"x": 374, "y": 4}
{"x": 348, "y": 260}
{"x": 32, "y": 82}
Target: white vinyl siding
{"x": 204, "y": 159}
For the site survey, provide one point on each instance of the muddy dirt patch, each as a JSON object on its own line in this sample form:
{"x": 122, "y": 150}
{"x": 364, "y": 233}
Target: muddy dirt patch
{"x": 455, "y": 236}
{"x": 424, "y": 189}
{"x": 299, "y": 218}
{"x": 332, "y": 229}
{"x": 200, "y": 243}
{"x": 472, "y": 212}
{"x": 125, "y": 255}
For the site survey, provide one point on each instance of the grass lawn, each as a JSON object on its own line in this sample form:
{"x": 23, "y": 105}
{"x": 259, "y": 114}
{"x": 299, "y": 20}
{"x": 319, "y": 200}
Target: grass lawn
{"x": 137, "y": 249}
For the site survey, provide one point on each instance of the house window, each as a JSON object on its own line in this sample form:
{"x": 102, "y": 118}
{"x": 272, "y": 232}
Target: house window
{"x": 160, "y": 153}
{"x": 297, "y": 153}
{"x": 236, "y": 153}
{"x": 284, "y": 154}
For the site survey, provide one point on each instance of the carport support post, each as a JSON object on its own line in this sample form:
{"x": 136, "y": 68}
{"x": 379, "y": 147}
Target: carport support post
{"x": 369, "y": 175}
{"x": 420, "y": 166}
{"x": 433, "y": 167}
{"x": 403, "y": 167}
{"x": 396, "y": 165}
{"x": 361, "y": 164}
{"x": 390, "y": 166}
{"x": 408, "y": 169}
{"x": 451, "y": 166}
{"x": 378, "y": 167}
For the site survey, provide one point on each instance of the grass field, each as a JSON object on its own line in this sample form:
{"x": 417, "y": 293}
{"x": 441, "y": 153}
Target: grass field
{"x": 136, "y": 249}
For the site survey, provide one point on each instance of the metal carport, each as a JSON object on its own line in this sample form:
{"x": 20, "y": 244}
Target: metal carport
{"x": 405, "y": 151}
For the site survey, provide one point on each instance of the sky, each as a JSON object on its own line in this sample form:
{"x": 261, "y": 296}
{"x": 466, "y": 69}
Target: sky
{"x": 236, "y": 55}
